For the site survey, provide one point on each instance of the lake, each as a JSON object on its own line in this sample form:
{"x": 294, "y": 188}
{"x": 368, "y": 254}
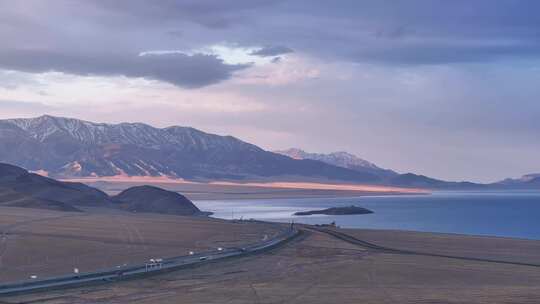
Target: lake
{"x": 507, "y": 214}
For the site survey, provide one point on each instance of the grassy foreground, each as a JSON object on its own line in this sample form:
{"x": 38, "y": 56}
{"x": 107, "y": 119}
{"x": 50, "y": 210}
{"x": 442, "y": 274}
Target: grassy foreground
{"x": 317, "y": 268}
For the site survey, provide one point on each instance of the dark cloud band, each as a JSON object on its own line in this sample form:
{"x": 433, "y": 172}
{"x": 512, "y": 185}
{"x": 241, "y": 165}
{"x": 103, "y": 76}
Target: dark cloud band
{"x": 190, "y": 71}
{"x": 98, "y": 37}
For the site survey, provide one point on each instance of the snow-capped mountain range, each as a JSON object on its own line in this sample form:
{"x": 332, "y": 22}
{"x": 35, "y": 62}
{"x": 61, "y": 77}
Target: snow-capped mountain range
{"x": 66, "y": 147}
{"x": 72, "y": 148}
{"x": 47, "y": 127}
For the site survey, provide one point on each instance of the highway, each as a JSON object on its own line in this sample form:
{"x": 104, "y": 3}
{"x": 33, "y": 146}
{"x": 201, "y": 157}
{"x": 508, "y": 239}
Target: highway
{"x": 142, "y": 270}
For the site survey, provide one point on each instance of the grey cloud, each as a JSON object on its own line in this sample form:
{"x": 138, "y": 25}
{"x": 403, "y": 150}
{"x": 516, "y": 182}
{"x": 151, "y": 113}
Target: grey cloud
{"x": 101, "y": 37}
{"x": 444, "y": 114}
{"x": 482, "y": 112}
{"x": 13, "y": 80}
{"x": 190, "y": 71}
{"x": 270, "y": 51}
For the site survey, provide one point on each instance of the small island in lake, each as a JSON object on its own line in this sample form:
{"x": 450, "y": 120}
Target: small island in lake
{"x": 337, "y": 211}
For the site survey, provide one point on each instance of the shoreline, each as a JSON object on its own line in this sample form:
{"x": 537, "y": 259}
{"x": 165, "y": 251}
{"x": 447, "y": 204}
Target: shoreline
{"x": 450, "y": 234}
{"x": 222, "y": 190}
{"x": 283, "y": 184}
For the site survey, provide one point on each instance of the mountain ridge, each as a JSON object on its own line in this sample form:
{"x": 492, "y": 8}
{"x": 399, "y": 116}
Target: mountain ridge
{"x": 68, "y": 147}
{"x": 71, "y": 148}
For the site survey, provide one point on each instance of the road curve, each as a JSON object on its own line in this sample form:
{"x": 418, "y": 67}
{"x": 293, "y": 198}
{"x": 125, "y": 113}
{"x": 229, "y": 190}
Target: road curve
{"x": 142, "y": 270}
{"x": 351, "y": 239}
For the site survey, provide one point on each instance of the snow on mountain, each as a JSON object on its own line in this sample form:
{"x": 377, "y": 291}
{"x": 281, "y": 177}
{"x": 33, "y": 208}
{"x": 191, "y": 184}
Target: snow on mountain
{"x": 340, "y": 159}
{"x": 533, "y": 178}
{"x": 530, "y": 177}
{"x": 66, "y": 147}
{"x": 46, "y": 127}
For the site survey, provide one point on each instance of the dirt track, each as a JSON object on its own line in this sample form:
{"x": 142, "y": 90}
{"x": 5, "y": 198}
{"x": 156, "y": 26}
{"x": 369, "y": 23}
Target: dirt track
{"x": 362, "y": 243}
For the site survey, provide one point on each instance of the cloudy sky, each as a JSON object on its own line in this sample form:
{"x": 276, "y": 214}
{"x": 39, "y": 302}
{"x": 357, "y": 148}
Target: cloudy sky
{"x": 449, "y": 89}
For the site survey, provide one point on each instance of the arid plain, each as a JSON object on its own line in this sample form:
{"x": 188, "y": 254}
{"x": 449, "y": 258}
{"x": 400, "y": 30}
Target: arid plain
{"x": 317, "y": 268}
{"x": 48, "y": 243}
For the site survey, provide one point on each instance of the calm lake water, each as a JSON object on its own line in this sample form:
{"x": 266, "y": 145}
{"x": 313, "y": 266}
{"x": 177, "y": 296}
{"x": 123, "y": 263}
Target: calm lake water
{"x": 507, "y": 214}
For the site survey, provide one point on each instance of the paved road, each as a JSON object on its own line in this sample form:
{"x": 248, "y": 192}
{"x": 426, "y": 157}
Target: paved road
{"x": 145, "y": 269}
{"x": 350, "y": 239}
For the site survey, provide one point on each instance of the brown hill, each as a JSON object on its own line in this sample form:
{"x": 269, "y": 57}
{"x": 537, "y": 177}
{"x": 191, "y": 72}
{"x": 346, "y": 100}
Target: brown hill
{"x": 19, "y": 188}
{"x": 155, "y": 200}
{"x": 11, "y": 198}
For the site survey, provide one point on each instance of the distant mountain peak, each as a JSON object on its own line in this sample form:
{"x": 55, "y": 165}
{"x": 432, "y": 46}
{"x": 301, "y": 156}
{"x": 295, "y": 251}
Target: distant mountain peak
{"x": 530, "y": 177}
{"x": 341, "y": 159}
{"x": 295, "y": 153}
{"x": 525, "y": 180}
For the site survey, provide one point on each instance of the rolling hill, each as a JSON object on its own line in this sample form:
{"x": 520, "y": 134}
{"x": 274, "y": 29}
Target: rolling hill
{"x": 20, "y": 188}
{"x": 155, "y": 200}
